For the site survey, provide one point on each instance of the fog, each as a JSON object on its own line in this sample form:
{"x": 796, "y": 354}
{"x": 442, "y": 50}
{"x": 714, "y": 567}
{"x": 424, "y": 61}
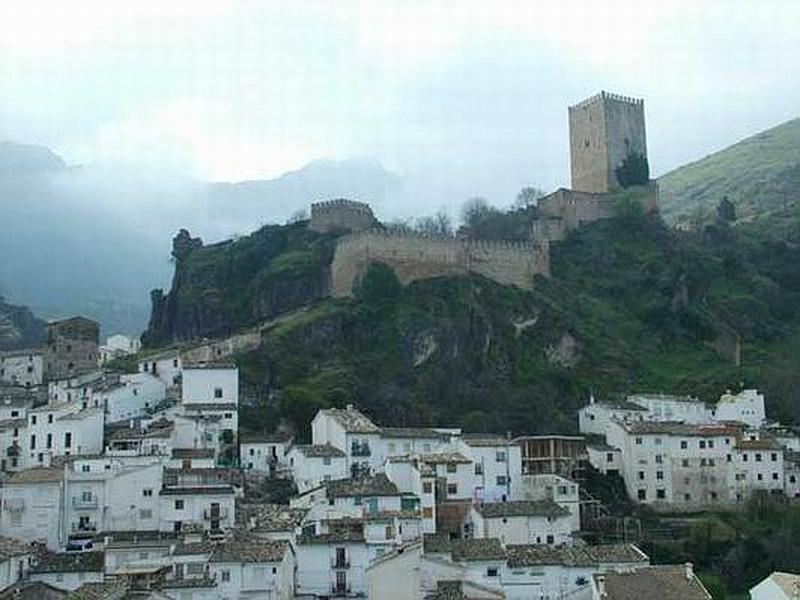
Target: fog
{"x": 149, "y": 103}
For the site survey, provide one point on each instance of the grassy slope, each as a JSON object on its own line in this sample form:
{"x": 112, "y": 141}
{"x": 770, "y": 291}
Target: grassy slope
{"x": 760, "y": 174}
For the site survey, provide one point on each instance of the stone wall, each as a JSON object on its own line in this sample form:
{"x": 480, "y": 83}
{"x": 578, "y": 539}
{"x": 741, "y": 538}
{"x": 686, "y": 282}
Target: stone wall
{"x": 413, "y": 257}
{"x": 336, "y": 215}
{"x": 72, "y": 347}
{"x": 603, "y": 131}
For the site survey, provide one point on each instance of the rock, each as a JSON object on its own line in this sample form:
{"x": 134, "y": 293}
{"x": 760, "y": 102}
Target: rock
{"x": 565, "y": 353}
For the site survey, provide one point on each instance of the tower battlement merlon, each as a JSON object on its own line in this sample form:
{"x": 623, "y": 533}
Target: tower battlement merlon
{"x": 341, "y": 214}
{"x": 606, "y": 96}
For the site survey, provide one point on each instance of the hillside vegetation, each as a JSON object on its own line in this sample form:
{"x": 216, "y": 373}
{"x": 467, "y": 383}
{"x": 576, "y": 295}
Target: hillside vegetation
{"x": 760, "y": 175}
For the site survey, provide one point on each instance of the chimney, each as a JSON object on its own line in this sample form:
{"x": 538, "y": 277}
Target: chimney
{"x": 689, "y": 567}
{"x": 601, "y": 585}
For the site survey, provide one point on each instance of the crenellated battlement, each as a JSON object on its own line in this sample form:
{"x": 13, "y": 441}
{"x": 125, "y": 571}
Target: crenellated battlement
{"x": 341, "y": 214}
{"x": 409, "y": 235}
{"x": 607, "y": 96}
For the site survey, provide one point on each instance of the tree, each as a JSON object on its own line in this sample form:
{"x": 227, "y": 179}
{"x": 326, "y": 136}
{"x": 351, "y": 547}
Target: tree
{"x": 634, "y": 170}
{"x": 528, "y": 196}
{"x": 726, "y": 210}
{"x": 474, "y": 211}
{"x": 298, "y": 216}
{"x": 439, "y": 224}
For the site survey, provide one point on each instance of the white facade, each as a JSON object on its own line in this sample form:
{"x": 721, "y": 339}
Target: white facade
{"x": 116, "y": 346}
{"x": 131, "y": 397}
{"x": 240, "y": 579}
{"x": 33, "y": 507}
{"x": 166, "y": 366}
{"x": 778, "y": 586}
{"x": 24, "y": 368}
{"x": 497, "y": 465}
{"x": 267, "y": 455}
{"x": 213, "y": 507}
{"x": 311, "y": 466}
{"x": 331, "y": 566}
{"x": 210, "y": 385}
{"x": 745, "y": 407}
{"x": 15, "y": 562}
{"x": 522, "y": 522}
{"x": 62, "y": 430}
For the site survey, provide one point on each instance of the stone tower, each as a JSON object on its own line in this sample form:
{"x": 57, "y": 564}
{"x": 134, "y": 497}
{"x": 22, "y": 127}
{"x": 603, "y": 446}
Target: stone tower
{"x": 603, "y": 131}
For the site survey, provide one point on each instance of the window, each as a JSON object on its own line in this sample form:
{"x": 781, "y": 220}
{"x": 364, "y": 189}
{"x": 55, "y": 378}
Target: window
{"x": 685, "y": 462}
{"x": 86, "y": 468}
{"x": 727, "y": 441}
{"x": 710, "y": 462}
{"x": 49, "y": 442}
{"x": 331, "y": 501}
{"x": 660, "y": 475}
{"x": 710, "y": 443}
{"x": 501, "y": 480}
{"x": 178, "y": 504}
{"x": 758, "y": 457}
{"x": 661, "y": 494}
{"x": 713, "y": 495}
{"x": 550, "y": 539}
{"x": 641, "y": 475}
{"x": 175, "y": 362}
{"x": 728, "y": 458}
{"x": 50, "y": 418}
{"x": 478, "y": 469}
{"x": 491, "y": 572}
{"x": 427, "y": 487}
{"x": 147, "y": 493}
{"x": 500, "y": 456}
{"x": 744, "y": 457}
{"x": 702, "y": 443}
{"x": 451, "y": 467}
{"x": 33, "y": 419}
{"x": 773, "y": 457}
{"x": 609, "y": 457}
{"x": 657, "y": 441}
{"x": 760, "y": 477}
{"x": 702, "y": 462}
{"x": 357, "y": 500}
{"x": 641, "y": 494}
{"x": 687, "y": 497}
{"x": 33, "y": 442}
{"x": 252, "y": 452}
{"x": 684, "y": 445}
{"x": 638, "y": 441}
{"x": 659, "y": 458}
{"x": 452, "y": 489}
{"x": 775, "y": 477}
{"x": 326, "y": 461}
{"x": 225, "y": 575}
{"x": 228, "y": 415}
{"x": 67, "y": 440}
{"x": 217, "y": 392}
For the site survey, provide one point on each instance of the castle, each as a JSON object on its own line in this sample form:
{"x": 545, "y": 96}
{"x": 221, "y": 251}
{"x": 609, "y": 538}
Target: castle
{"x": 604, "y": 130}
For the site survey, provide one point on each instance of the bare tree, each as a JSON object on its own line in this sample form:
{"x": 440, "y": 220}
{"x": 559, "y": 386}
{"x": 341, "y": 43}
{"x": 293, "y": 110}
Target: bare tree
{"x": 528, "y": 196}
{"x": 474, "y": 210}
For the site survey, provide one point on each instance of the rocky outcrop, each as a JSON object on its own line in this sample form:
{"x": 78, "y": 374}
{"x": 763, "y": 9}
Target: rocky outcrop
{"x": 19, "y": 328}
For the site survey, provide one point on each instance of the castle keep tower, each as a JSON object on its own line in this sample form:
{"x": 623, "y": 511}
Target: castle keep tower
{"x": 603, "y": 131}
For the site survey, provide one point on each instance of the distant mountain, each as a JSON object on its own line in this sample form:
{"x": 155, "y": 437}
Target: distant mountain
{"x": 19, "y": 328}
{"x": 95, "y": 241}
{"x": 760, "y": 175}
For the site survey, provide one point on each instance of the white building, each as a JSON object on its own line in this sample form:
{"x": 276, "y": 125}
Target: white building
{"x": 264, "y": 453}
{"x": 245, "y": 567}
{"x": 165, "y": 365}
{"x": 313, "y": 465}
{"x": 332, "y": 565}
{"x": 116, "y": 346}
{"x": 128, "y": 397}
{"x": 497, "y": 464}
{"x": 198, "y": 499}
{"x": 350, "y": 431}
{"x": 564, "y": 492}
{"x": 416, "y": 478}
{"x": 16, "y": 558}
{"x": 595, "y": 417}
{"x": 521, "y": 522}
{"x": 33, "y": 506}
{"x": 22, "y": 367}
{"x": 69, "y": 570}
{"x": 210, "y": 383}
{"x": 778, "y": 586}
{"x": 62, "y": 430}
{"x": 456, "y": 475}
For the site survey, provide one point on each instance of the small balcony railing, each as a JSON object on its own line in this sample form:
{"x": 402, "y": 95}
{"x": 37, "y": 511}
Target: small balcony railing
{"x": 360, "y": 450}
{"x": 84, "y": 527}
{"x": 80, "y": 502}
{"x": 215, "y": 514}
{"x": 340, "y": 563}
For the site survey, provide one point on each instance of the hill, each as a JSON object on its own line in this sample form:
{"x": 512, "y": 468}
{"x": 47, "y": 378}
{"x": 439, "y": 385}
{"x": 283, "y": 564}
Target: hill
{"x": 631, "y": 305}
{"x": 19, "y": 328}
{"x": 760, "y": 175}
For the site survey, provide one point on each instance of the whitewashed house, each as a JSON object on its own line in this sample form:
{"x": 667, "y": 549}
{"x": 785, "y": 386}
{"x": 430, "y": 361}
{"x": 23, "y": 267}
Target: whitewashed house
{"x": 126, "y": 397}
{"x": 521, "y": 522}
{"x": 167, "y": 366}
{"x": 497, "y": 464}
{"x": 116, "y": 346}
{"x": 245, "y": 567}
{"x": 62, "y": 430}
{"x": 745, "y": 407}
{"x": 605, "y": 458}
{"x": 455, "y": 474}
{"x": 332, "y": 565}
{"x": 207, "y": 503}
{"x": 211, "y": 391}
{"x": 778, "y": 586}
{"x": 595, "y": 417}
{"x": 16, "y": 559}
{"x": 155, "y": 439}
{"x": 564, "y": 492}
{"x": 403, "y": 441}
{"x": 755, "y": 464}
{"x": 22, "y": 367}
{"x": 353, "y": 433}
{"x": 264, "y": 453}
{"x": 311, "y": 466}
{"x": 69, "y": 570}
{"x": 417, "y": 479}
{"x": 33, "y": 506}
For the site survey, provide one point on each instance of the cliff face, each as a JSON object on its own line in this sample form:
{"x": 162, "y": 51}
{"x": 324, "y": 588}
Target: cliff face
{"x": 220, "y": 288}
{"x": 19, "y": 328}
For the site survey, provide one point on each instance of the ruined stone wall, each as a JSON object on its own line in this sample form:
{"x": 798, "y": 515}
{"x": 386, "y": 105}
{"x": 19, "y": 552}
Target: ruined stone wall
{"x": 603, "y": 131}
{"x": 414, "y": 257}
{"x": 222, "y": 348}
{"x": 575, "y": 208}
{"x": 337, "y": 215}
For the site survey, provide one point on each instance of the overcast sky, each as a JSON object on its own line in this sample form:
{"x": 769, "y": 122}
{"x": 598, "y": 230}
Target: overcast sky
{"x": 465, "y": 97}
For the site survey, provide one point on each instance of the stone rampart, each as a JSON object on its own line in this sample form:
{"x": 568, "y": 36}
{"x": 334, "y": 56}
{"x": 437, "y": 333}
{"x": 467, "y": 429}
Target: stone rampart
{"x": 414, "y": 256}
{"x": 341, "y": 214}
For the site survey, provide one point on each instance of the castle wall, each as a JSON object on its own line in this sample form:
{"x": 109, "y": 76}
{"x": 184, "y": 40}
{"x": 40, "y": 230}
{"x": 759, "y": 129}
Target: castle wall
{"x": 575, "y": 208}
{"x": 336, "y": 215}
{"x": 415, "y": 257}
{"x": 625, "y": 133}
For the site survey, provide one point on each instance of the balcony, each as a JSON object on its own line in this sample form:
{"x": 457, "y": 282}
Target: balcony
{"x": 341, "y": 590}
{"x": 357, "y": 449}
{"x": 340, "y": 563}
{"x": 84, "y": 527}
{"x": 84, "y": 503}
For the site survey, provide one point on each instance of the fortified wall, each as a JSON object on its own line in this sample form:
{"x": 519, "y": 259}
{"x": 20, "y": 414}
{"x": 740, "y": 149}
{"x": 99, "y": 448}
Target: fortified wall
{"x": 414, "y": 256}
{"x": 341, "y": 214}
